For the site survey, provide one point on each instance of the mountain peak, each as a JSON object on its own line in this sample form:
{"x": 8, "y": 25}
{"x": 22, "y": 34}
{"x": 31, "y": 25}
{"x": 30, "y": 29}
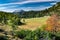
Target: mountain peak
{"x": 18, "y": 11}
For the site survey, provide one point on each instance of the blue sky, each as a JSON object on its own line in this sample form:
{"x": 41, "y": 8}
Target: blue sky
{"x": 12, "y": 5}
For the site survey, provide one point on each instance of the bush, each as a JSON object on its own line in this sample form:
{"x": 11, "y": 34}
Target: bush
{"x": 3, "y": 38}
{"x": 42, "y": 34}
{"x": 22, "y": 33}
{"x": 31, "y": 36}
{"x": 36, "y": 35}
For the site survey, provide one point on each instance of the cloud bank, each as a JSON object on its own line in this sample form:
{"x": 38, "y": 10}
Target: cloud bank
{"x": 12, "y": 5}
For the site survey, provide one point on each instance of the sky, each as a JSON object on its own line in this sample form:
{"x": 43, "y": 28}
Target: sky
{"x": 27, "y": 5}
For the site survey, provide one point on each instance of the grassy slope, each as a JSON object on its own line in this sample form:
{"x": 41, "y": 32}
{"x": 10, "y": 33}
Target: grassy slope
{"x": 34, "y": 23}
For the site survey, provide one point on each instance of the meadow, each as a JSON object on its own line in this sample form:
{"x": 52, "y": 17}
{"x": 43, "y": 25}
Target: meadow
{"x": 34, "y": 23}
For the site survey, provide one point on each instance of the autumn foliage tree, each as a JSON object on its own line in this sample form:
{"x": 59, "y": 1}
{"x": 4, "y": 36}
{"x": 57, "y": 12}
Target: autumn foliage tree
{"x": 53, "y": 23}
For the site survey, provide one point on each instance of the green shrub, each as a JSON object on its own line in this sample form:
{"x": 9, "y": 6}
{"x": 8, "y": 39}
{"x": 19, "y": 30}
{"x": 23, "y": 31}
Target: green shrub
{"x": 31, "y": 36}
{"x": 3, "y": 38}
{"x": 22, "y": 33}
{"x": 36, "y": 35}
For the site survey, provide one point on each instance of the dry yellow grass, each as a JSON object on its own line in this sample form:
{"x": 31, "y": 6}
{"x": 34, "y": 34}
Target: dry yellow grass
{"x": 34, "y": 23}
{"x": 5, "y": 27}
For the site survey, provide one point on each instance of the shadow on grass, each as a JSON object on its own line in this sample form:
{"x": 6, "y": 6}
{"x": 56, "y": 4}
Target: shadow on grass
{"x": 21, "y": 23}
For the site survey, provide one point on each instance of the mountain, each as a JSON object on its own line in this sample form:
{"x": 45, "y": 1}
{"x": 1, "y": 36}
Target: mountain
{"x": 18, "y": 11}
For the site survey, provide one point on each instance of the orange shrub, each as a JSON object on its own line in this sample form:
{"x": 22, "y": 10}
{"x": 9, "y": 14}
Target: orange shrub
{"x": 53, "y": 23}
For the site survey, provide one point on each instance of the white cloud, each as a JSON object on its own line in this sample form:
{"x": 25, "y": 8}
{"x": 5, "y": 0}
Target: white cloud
{"x": 23, "y": 8}
{"x": 57, "y": 0}
{"x": 8, "y": 10}
{"x": 52, "y": 3}
{"x": 27, "y": 1}
{"x": 40, "y": 0}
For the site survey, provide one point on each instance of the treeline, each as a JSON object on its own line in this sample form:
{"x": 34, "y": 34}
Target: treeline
{"x": 9, "y": 19}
